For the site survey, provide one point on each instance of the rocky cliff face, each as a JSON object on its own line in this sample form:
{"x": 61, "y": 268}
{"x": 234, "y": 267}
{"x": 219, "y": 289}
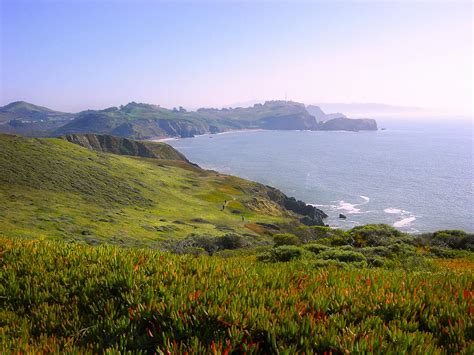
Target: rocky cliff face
{"x": 182, "y": 128}
{"x": 312, "y": 216}
{"x": 290, "y": 122}
{"x": 125, "y": 146}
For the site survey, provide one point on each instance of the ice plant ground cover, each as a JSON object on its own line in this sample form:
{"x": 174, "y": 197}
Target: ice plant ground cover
{"x": 64, "y": 297}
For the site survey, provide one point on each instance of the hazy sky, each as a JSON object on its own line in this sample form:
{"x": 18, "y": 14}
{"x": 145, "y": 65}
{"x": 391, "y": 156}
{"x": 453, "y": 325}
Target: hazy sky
{"x": 72, "y": 55}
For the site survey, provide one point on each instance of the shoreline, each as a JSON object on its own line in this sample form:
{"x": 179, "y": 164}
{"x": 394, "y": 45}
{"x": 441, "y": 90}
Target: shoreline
{"x": 165, "y": 139}
{"x": 207, "y": 134}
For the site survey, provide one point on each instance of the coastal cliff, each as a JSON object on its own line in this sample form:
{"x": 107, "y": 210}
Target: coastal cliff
{"x": 145, "y": 121}
{"x": 124, "y": 146}
{"x": 347, "y": 124}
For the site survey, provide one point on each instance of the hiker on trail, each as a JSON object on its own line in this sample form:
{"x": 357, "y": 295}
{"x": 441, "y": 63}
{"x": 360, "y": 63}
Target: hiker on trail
{"x": 242, "y": 218}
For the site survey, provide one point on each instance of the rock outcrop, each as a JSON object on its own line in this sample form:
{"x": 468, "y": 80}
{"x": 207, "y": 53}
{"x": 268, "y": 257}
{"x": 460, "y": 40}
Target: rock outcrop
{"x": 348, "y": 124}
{"x": 312, "y": 216}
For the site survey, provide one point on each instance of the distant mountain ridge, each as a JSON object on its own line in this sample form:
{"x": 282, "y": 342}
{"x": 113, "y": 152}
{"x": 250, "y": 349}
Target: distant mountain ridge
{"x": 145, "y": 121}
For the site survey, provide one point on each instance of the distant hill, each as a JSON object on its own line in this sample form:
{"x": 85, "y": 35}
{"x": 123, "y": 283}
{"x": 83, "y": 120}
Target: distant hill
{"x": 370, "y": 109}
{"x": 31, "y": 120}
{"x": 145, "y": 121}
{"x": 319, "y": 114}
{"x": 26, "y": 112}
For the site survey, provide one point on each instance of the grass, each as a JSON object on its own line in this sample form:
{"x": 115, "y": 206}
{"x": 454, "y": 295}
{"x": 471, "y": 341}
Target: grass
{"x": 60, "y": 190}
{"x": 68, "y": 297}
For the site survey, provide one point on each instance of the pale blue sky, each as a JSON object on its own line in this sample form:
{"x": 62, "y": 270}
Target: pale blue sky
{"x": 72, "y": 55}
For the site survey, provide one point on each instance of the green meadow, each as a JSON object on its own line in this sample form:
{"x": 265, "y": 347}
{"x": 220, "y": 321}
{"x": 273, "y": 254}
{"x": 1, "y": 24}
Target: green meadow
{"x": 56, "y": 189}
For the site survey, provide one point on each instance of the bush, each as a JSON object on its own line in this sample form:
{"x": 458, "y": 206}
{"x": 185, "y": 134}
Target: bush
{"x": 447, "y": 253}
{"x": 196, "y": 251}
{"x": 316, "y": 248}
{"x": 230, "y": 241}
{"x": 441, "y": 252}
{"x": 335, "y": 241}
{"x": 454, "y": 239}
{"x": 285, "y": 239}
{"x": 345, "y": 256}
{"x": 375, "y": 261}
{"x": 401, "y": 249}
{"x": 208, "y": 244}
{"x": 376, "y": 251}
{"x": 373, "y": 235}
{"x": 282, "y": 254}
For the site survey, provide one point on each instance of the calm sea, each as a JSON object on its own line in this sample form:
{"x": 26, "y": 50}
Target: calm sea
{"x": 417, "y": 177}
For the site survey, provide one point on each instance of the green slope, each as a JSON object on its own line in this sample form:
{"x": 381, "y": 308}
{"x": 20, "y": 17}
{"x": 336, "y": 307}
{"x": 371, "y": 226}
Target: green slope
{"x": 124, "y": 146}
{"x": 57, "y": 189}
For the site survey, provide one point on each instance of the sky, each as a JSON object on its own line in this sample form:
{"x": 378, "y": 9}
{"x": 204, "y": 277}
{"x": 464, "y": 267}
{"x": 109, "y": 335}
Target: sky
{"x": 72, "y": 55}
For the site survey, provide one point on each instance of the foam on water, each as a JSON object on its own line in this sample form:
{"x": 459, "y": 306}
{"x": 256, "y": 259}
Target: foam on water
{"x": 405, "y": 222}
{"x": 348, "y": 207}
{"x": 393, "y": 210}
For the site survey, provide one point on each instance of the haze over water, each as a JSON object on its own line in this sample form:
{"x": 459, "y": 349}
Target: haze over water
{"x": 416, "y": 177}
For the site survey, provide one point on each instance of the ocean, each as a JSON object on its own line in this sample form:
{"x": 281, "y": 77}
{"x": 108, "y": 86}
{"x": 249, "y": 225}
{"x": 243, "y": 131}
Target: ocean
{"x": 417, "y": 177}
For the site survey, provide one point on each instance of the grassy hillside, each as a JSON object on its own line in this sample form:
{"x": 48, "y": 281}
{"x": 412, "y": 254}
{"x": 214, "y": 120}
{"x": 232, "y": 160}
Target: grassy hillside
{"x": 124, "y": 146}
{"x": 61, "y": 190}
{"x": 66, "y": 297}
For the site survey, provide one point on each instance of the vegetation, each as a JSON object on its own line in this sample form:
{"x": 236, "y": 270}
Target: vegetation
{"x": 68, "y": 297}
{"x": 53, "y": 188}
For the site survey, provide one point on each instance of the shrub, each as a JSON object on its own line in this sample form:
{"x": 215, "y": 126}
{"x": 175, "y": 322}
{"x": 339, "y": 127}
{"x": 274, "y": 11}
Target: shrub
{"x": 417, "y": 263}
{"x": 194, "y": 251}
{"x": 373, "y": 235}
{"x": 282, "y": 254}
{"x": 375, "y": 261}
{"x": 230, "y": 241}
{"x": 441, "y": 252}
{"x": 316, "y": 248}
{"x": 379, "y": 251}
{"x": 345, "y": 256}
{"x": 454, "y": 239}
{"x": 285, "y": 239}
{"x": 337, "y": 240}
{"x": 401, "y": 249}
{"x": 207, "y": 243}
{"x": 321, "y": 232}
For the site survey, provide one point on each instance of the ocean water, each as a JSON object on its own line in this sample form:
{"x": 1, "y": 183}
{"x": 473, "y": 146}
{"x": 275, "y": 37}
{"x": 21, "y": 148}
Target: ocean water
{"x": 416, "y": 177}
